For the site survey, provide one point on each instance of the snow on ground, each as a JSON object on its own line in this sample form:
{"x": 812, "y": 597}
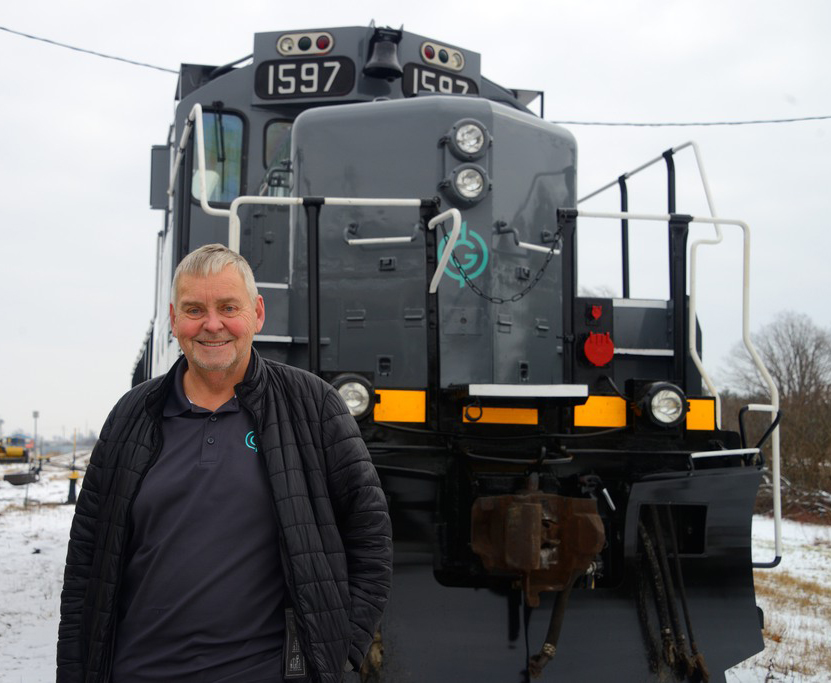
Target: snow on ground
{"x": 34, "y": 527}
{"x": 796, "y": 599}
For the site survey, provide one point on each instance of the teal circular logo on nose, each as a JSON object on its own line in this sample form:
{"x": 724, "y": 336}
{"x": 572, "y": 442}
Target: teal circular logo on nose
{"x": 250, "y": 441}
{"x": 471, "y": 253}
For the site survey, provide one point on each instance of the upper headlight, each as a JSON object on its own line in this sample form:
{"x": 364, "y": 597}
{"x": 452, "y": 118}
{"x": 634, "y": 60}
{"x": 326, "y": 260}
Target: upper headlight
{"x": 665, "y": 404}
{"x": 470, "y": 138}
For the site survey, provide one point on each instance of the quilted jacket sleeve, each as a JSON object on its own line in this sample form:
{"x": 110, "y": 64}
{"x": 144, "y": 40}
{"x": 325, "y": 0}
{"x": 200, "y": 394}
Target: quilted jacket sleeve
{"x": 71, "y": 649}
{"x": 363, "y": 520}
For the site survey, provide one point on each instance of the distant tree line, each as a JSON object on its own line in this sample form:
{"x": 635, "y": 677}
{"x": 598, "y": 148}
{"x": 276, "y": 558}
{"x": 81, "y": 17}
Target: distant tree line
{"x": 797, "y": 353}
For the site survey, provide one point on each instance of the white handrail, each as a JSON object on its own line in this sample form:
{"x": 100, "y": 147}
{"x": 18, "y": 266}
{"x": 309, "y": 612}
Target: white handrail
{"x": 372, "y": 241}
{"x": 456, "y": 215}
{"x": 693, "y": 259}
{"x": 180, "y": 153}
{"x": 234, "y": 228}
{"x": 374, "y": 201}
{"x": 757, "y": 361}
{"x": 234, "y": 221}
{"x": 723, "y": 452}
{"x": 195, "y": 118}
{"x": 540, "y": 248}
{"x": 691, "y": 346}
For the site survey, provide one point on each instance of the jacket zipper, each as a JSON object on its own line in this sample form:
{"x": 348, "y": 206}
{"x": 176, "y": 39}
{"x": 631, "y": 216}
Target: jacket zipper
{"x": 287, "y": 576}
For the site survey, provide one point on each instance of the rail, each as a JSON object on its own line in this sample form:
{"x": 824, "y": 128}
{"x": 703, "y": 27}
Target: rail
{"x": 453, "y": 214}
{"x": 503, "y": 229}
{"x": 312, "y": 206}
{"x": 378, "y": 241}
{"x": 194, "y": 119}
{"x": 773, "y": 408}
{"x": 621, "y": 183}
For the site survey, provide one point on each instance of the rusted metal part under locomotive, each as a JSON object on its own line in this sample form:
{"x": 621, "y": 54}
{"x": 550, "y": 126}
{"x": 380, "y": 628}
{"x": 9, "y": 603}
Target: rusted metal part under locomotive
{"x": 564, "y": 502}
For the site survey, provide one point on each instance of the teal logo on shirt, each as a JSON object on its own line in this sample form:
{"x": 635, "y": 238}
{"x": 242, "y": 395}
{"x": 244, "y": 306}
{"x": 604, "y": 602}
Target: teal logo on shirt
{"x": 250, "y": 441}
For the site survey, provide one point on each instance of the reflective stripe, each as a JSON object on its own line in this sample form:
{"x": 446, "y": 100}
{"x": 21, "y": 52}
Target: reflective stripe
{"x": 601, "y": 411}
{"x": 505, "y": 416}
{"x": 702, "y": 414}
{"x": 398, "y": 405}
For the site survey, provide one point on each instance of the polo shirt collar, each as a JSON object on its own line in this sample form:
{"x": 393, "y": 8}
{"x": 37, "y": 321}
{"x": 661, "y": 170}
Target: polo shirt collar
{"x": 177, "y": 402}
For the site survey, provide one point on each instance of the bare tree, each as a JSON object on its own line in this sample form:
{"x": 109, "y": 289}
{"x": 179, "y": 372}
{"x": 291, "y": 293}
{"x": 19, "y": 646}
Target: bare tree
{"x": 797, "y": 353}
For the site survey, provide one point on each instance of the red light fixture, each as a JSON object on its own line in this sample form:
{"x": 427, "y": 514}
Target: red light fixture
{"x": 599, "y": 349}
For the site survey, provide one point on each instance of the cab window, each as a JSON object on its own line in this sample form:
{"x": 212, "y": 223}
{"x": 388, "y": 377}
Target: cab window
{"x": 223, "y": 157}
{"x": 277, "y": 159}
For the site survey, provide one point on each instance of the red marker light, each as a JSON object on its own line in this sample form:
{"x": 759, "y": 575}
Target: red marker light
{"x": 429, "y": 51}
{"x": 599, "y": 349}
{"x": 322, "y": 42}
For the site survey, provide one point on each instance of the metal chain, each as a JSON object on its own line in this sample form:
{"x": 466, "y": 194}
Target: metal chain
{"x": 516, "y": 297}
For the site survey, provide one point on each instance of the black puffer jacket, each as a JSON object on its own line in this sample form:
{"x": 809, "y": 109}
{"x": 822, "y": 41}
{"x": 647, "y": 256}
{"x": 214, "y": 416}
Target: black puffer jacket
{"x": 336, "y": 540}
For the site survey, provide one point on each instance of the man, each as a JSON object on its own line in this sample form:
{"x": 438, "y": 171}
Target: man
{"x": 231, "y": 528}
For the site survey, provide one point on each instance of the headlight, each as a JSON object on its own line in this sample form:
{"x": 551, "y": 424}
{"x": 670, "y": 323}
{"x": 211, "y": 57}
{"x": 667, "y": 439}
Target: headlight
{"x": 468, "y": 140}
{"x": 356, "y": 393}
{"x": 469, "y": 183}
{"x": 665, "y": 404}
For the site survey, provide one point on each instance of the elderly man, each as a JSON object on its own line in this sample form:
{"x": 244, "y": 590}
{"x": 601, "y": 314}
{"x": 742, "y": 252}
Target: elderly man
{"x": 231, "y": 528}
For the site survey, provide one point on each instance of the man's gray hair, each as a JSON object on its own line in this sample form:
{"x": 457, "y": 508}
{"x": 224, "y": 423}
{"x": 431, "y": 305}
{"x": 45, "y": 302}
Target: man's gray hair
{"x": 210, "y": 260}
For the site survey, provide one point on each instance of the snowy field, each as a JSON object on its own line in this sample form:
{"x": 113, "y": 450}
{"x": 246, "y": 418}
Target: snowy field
{"x": 34, "y": 526}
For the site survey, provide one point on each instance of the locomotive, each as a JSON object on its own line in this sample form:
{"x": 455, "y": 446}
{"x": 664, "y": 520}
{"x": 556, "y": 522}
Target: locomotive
{"x": 565, "y": 503}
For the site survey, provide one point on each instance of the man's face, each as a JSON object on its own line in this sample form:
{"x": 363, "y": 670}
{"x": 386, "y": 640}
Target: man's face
{"x": 215, "y": 320}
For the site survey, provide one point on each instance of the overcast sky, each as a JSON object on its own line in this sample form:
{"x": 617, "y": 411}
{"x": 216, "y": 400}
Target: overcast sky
{"x": 77, "y": 238}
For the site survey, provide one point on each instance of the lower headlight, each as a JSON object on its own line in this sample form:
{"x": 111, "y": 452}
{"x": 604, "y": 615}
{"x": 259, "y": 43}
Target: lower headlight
{"x": 467, "y": 184}
{"x": 356, "y": 393}
{"x": 470, "y": 183}
{"x": 665, "y": 404}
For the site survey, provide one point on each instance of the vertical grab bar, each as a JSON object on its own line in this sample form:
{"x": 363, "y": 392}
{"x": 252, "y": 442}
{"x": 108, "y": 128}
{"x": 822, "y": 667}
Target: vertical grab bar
{"x": 624, "y": 234}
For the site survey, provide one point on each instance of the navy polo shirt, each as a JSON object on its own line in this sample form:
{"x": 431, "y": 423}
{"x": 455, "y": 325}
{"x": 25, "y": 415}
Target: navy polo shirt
{"x": 202, "y": 587}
